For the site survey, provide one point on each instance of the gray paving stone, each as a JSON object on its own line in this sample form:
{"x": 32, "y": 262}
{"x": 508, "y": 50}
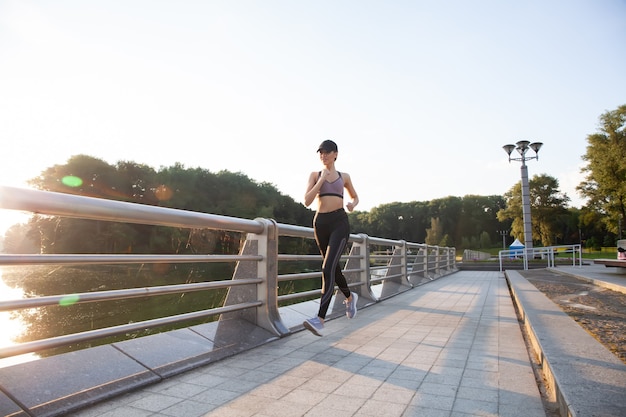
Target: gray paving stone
{"x": 452, "y": 347}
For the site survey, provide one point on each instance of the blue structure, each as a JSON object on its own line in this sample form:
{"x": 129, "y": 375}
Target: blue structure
{"x": 517, "y": 249}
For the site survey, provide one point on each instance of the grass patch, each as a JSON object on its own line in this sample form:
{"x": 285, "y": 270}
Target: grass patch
{"x": 591, "y": 254}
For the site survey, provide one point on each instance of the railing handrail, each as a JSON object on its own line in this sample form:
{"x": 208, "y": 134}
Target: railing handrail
{"x": 401, "y": 272}
{"x": 93, "y": 296}
{"x": 575, "y": 249}
{"x": 79, "y": 259}
{"x": 77, "y": 206}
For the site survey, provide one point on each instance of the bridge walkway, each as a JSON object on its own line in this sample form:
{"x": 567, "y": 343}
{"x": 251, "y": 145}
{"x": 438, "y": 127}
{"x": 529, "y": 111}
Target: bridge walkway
{"x": 452, "y": 347}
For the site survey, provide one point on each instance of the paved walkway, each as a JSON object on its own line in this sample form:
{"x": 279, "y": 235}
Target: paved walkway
{"x": 452, "y": 347}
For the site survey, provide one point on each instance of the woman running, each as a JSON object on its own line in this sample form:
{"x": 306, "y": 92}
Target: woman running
{"x": 332, "y": 230}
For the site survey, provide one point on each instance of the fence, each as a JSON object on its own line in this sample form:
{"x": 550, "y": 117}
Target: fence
{"x": 252, "y": 296}
{"x": 548, "y": 254}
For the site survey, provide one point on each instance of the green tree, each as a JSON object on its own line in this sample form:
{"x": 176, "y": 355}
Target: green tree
{"x": 448, "y": 211}
{"x": 445, "y": 241}
{"x": 459, "y": 220}
{"x": 18, "y": 239}
{"x": 485, "y": 240}
{"x": 478, "y": 215}
{"x": 83, "y": 175}
{"x": 550, "y": 209}
{"x": 605, "y": 182}
{"x": 195, "y": 189}
{"x": 592, "y": 229}
{"x": 384, "y": 220}
{"x": 547, "y": 205}
{"x": 435, "y": 234}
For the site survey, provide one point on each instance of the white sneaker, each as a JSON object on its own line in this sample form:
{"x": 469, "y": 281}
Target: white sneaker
{"x": 315, "y": 326}
{"x": 351, "y": 306}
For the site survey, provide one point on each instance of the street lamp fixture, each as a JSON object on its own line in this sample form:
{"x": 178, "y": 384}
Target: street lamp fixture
{"x": 522, "y": 148}
{"x": 503, "y": 233}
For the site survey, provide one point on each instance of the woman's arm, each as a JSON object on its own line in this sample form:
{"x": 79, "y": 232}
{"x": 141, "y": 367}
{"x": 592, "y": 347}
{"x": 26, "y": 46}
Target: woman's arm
{"x": 347, "y": 183}
{"x": 313, "y": 186}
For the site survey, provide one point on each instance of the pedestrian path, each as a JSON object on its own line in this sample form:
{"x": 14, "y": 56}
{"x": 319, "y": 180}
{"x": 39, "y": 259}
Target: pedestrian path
{"x": 452, "y": 348}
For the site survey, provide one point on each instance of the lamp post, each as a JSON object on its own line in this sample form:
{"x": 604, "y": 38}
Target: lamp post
{"x": 503, "y": 233}
{"x": 522, "y": 147}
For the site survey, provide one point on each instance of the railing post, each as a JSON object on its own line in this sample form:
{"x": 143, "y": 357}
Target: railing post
{"x": 266, "y": 245}
{"x": 452, "y": 259}
{"x": 526, "y": 258}
{"x": 448, "y": 259}
{"x": 362, "y": 250}
{"x": 395, "y": 266}
{"x": 405, "y": 263}
{"x": 431, "y": 262}
{"x": 437, "y": 261}
{"x": 426, "y": 256}
{"x": 420, "y": 266}
{"x": 353, "y": 273}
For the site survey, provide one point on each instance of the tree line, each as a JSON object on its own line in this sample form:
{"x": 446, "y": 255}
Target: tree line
{"x": 468, "y": 222}
{"x": 194, "y": 189}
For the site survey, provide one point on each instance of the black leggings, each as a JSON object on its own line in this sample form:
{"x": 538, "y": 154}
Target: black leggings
{"x": 331, "y": 234}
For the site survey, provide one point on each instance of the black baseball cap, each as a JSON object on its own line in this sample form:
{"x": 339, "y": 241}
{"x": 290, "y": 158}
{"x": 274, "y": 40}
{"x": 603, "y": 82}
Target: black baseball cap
{"x": 328, "y": 146}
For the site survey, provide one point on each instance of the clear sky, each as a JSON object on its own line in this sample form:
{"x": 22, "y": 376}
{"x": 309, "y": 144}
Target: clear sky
{"x": 419, "y": 95}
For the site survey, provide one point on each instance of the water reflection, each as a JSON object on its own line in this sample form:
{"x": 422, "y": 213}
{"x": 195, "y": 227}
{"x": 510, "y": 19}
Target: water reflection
{"x": 66, "y": 318}
{"x": 11, "y": 324}
{"x": 28, "y": 281}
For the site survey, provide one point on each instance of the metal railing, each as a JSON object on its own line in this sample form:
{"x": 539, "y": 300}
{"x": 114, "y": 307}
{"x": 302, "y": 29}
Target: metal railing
{"x": 375, "y": 268}
{"x": 548, "y": 254}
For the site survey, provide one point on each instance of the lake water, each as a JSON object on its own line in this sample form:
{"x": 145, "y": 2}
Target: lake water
{"x": 28, "y": 281}
{"x": 17, "y": 282}
{"x": 12, "y": 326}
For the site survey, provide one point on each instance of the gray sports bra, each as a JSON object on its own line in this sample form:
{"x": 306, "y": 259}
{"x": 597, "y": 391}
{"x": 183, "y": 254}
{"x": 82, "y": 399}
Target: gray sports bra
{"x": 334, "y": 188}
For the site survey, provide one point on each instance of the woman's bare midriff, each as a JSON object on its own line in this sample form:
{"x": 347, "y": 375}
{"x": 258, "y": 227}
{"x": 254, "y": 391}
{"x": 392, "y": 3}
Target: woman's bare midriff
{"x": 329, "y": 203}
